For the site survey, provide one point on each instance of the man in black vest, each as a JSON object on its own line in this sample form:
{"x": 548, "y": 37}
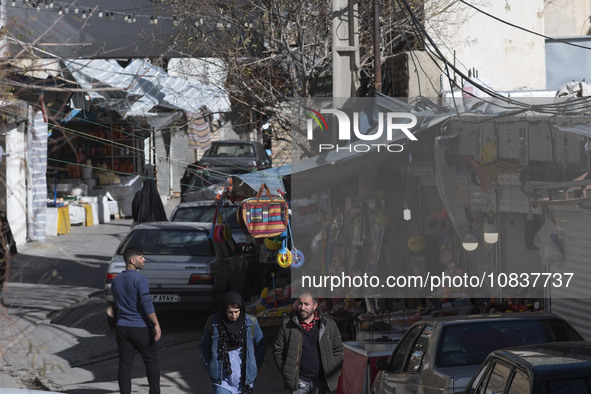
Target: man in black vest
{"x": 308, "y": 350}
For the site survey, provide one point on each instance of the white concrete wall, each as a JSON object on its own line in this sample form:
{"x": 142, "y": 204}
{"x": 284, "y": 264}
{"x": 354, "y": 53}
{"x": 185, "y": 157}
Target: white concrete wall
{"x": 506, "y": 58}
{"x": 16, "y": 195}
{"x": 567, "y": 18}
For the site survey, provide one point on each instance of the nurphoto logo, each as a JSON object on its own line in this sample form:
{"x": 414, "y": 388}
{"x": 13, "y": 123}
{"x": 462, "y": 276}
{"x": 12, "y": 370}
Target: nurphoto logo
{"x": 387, "y": 123}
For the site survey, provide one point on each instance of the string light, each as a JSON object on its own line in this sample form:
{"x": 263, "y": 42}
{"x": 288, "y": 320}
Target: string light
{"x": 61, "y": 8}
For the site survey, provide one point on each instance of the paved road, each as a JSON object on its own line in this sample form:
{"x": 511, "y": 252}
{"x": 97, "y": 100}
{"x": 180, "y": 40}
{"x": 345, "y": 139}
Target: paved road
{"x": 55, "y": 335}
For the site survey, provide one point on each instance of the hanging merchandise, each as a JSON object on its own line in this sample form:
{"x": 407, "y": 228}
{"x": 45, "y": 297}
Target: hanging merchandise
{"x": 296, "y": 254}
{"x": 298, "y": 258}
{"x": 548, "y": 240}
{"x": 273, "y": 243}
{"x": 227, "y": 232}
{"x": 284, "y": 257}
{"x": 264, "y": 216}
{"x": 220, "y": 232}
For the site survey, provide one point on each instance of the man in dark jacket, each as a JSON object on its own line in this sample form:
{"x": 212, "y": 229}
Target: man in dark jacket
{"x": 308, "y": 350}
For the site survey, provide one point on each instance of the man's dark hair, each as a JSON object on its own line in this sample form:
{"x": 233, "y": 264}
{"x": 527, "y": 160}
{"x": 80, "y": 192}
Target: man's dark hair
{"x": 130, "y": 252}
{"x": 308, "y": 294}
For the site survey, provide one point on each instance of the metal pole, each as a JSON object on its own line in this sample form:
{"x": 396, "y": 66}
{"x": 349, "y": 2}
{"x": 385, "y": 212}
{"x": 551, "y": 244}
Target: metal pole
{"x": 345, "y": 47}
{"x": 376, "y": 47}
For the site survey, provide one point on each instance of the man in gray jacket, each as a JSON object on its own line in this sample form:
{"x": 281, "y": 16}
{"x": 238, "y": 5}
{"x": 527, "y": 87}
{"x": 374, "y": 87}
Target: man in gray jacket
{"x": 308, "y": 350}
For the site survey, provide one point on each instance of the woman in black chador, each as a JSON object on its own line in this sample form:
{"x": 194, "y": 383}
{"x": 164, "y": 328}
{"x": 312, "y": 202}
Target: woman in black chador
{"x": 147, "y": 205}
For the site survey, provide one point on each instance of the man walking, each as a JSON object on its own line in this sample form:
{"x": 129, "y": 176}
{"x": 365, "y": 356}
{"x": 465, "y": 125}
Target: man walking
{"x": 308, "y": 350}
{"x": 137, "y": 324}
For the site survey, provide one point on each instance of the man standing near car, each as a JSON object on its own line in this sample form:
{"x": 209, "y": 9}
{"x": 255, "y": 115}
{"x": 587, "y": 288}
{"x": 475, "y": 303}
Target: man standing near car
{"x": 308, "y": 350}
{"x": 137, "y": 324}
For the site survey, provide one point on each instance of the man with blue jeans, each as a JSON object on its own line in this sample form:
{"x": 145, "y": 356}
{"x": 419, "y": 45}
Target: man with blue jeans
{"x": 137, "y": 324}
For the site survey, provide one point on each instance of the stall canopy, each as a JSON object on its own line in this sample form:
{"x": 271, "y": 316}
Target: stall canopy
{"x": 143, "y": 90}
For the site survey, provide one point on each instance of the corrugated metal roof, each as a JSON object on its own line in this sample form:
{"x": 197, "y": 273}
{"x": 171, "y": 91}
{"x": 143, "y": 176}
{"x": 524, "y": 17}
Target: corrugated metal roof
{"x": 135, "y": 90}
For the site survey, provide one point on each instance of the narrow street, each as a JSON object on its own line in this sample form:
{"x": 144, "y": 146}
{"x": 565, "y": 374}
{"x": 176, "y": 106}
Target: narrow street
{"x": 55, "y": 334}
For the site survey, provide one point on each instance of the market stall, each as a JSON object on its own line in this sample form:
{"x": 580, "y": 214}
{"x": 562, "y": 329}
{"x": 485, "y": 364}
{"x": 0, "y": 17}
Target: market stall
{"x": 360, "y": 366}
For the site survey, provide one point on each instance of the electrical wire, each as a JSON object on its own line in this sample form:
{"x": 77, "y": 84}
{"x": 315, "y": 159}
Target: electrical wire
{"x": 553, "y": 108}
{"x": 523, "y": 28}
{"x": 419, "y": 36}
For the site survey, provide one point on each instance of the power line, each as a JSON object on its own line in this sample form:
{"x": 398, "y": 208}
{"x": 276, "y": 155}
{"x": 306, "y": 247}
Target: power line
{"x": 552, "y": 108}
{"x": 523, "y": 28}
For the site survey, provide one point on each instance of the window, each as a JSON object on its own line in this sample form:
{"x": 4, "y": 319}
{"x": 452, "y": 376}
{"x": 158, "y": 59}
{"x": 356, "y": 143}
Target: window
{"x": 205, "y": 213}
{"x": 480, "y": 380}
{"x": 207, "y": 178}
{"x": 401, "y": 352}
{"x": 498, "y": 379}
{"x": 224, "y": 150}
{"x": 179, "y": 242}
{"x": 468, "y": 338}
{"x": 520, "y": 383}
{"x": 417, "y": 352}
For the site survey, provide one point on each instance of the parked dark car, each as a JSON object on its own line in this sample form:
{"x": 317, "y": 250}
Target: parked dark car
{"x": 441, "y": 355}
{"x": 227, "y": 156}
{"x": 184, "y": 267}
{"x": 250, "y": 155}
{"x": 204, "y": 183}
{"x": 204, "y": 211}
{"x": 551, "y": 368}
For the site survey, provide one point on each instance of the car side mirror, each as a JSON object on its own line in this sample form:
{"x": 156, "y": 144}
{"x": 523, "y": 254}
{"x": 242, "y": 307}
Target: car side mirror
{"x": 383, "y": 364}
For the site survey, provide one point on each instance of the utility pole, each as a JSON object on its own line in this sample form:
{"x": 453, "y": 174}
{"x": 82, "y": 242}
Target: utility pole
{"x": 345, "y": 47}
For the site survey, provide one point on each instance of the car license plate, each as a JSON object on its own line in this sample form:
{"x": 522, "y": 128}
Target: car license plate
{"x": 165, "y": 298}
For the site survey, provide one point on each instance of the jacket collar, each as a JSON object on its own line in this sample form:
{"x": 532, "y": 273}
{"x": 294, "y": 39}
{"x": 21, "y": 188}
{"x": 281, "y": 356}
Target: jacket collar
{"x": 296, "y": 321}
